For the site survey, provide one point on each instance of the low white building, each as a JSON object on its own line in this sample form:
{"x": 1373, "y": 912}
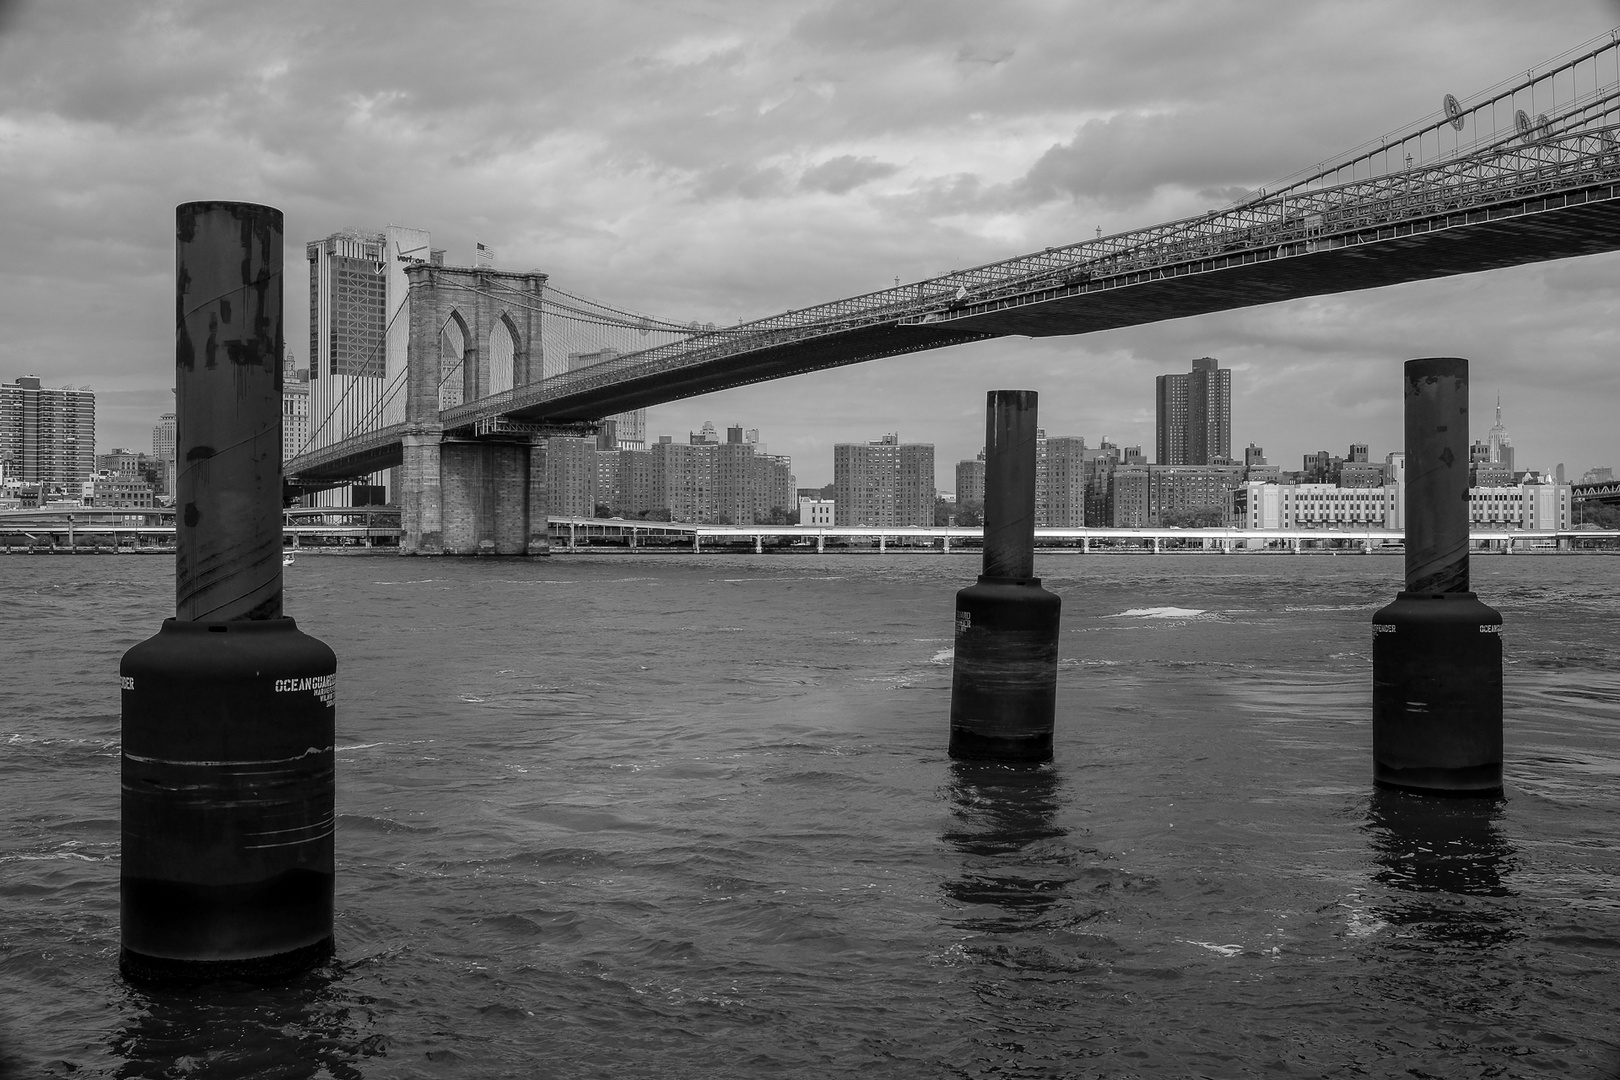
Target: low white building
{"x": 815, "y": 511}
{"x": 1265, "y": 505}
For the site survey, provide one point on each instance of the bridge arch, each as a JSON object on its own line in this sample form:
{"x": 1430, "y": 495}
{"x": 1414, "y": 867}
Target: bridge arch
{"x": 477, "y": 303}
{"x": 504, "y": 351}
{"x": 454, "y": 338}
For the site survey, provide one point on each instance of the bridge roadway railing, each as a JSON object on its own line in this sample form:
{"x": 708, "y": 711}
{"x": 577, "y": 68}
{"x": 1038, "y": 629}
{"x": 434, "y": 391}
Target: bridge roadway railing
{"x": 1294, "y": 221}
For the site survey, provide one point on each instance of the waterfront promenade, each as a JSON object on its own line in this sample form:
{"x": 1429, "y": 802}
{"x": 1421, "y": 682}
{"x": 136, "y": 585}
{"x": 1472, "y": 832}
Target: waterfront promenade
{"x": 91, "y": 530}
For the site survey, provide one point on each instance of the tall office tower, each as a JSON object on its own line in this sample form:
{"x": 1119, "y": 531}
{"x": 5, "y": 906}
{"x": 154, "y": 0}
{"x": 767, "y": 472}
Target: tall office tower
{"x": 47, "y": 436}
{"x": 1501, "y": 446}
{"x": 630, "y": 427}
{"x": 1065, "y": 481}
{"x": 1194, "y": 415}
{"x": 358, "y": 331}
{"x": 163, "y": 453}
{"x": 883, "y": 483}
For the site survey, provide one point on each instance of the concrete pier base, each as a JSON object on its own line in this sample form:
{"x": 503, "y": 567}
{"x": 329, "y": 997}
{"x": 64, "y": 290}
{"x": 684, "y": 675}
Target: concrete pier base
{"x": 472, "y": 498}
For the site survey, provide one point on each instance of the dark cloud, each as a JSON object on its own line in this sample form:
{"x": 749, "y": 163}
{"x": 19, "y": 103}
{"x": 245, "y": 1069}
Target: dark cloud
{"x": 844, "y": 173}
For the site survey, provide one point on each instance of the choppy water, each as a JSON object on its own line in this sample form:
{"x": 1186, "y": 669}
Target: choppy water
{"x": 645, "y": 816}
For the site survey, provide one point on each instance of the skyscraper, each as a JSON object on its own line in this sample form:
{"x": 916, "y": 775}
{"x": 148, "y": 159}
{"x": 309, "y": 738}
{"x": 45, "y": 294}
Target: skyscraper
{"x": 357, "y": 335}
{"x": 1501, "y": 446}
{"x": 1194, "y": 415}
{"x": 164, "y": 442}
{"x": 47, "y": 436}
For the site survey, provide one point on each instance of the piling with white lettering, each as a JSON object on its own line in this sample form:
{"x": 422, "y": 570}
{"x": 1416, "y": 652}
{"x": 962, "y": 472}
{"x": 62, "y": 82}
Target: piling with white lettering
{"x": 1004, "y": 675}
{"x": 228, "y": 712}
{"x": 1437, "y": 650}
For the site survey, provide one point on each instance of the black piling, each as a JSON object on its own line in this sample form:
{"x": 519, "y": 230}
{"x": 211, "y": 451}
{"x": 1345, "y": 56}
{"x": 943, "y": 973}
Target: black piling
{"x": 1437, "y": 650}
{"x": 227, "y": 801}
{"x": 1004, "y": 678}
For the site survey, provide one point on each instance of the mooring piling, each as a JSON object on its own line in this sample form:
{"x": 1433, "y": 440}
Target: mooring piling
{"x": 227, "y": 772}
{"x": 1004, "y": 675}
{"x": 1437, "y": 650}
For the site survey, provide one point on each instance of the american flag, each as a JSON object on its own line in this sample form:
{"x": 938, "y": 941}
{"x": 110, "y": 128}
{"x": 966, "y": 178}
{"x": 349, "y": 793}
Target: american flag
{"x": 485, "y": 253}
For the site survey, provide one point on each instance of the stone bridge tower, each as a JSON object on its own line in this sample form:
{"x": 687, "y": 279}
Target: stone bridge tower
{"x": 464, "y": 494}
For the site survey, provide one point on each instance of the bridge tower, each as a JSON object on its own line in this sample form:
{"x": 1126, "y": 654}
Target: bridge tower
{"x": 462, "y": 493}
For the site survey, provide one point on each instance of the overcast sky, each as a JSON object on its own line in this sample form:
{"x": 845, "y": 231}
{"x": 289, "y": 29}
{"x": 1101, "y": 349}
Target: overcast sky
{"x": 721, "y": 160}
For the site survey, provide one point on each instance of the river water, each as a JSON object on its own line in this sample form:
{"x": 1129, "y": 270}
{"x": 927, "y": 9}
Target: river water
{"x": 692, "y": 816}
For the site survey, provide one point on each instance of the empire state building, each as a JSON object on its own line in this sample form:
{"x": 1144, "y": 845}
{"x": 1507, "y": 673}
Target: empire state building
{"x": 1501, "y": 446}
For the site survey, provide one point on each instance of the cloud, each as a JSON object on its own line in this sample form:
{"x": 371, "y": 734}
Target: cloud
{"x": 842, "y": 174}
{"x": 715, "y": 160}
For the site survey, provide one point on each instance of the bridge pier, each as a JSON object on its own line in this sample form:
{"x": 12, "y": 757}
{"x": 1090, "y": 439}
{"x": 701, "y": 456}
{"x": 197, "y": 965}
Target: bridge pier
{"x": 883, "y": 544}
{"x": 947, "y": 539}
{"x": 759, "y": 544}
{"x": 463, "y": 497}
{"x": 821, "y": 542}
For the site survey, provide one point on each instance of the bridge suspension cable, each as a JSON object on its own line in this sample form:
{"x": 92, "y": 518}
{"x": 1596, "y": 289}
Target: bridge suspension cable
{"x": 1552, "y": 130}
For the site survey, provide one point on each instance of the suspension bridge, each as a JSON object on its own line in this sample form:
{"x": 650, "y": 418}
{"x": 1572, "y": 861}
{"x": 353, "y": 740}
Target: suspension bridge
{"x": 1526, "y": 171}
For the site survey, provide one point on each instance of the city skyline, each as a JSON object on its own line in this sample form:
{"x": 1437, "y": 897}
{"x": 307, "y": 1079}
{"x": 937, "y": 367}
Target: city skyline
{"x": 724, "y": 161}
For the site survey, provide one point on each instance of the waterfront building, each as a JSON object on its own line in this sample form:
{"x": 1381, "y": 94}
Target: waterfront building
{"x": 607, "y": 479}
{"x": 1362, "y": 473}
{"x": 164, "y": 440}
{"x": 633, "y": 483}
{"x": 1546, "y": 505}
{"x": 970, "y": 480}
{"x": 1321, "y": 468}
{"x": 884, "y": 482}
{"x": 123, "y": 490}
{"x": 47, "y": 436}
{"x": 1395, "y": 490}
{"x": 1193, "y": 415}
{"x": 1128, "y": 496}
{"x": 775, "y": 487}
{"x": 815, "y": 511}
{"x": 571, "y": 476}
{"x": 629, "y": 428}
{"x": 704, "y": 480}
{"x": 294, "y": 410}
{"x": 1065, "y": 482}
{"x": 683, "y": 480}
{"x": 1256, "y": 505}
{"x": 121, "y": 461}
{"x": 358, "y": 336}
